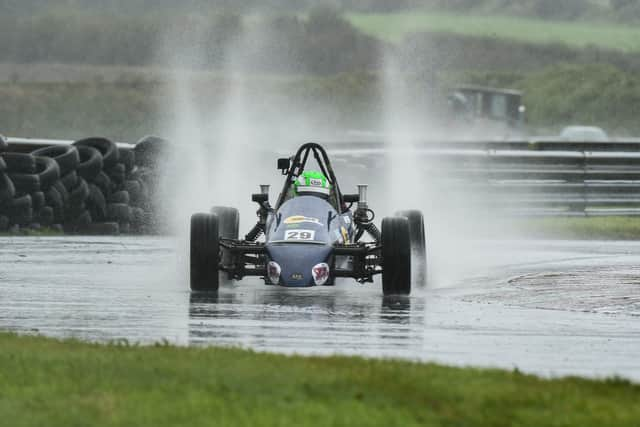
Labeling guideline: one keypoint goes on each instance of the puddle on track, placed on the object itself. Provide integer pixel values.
(554, 308)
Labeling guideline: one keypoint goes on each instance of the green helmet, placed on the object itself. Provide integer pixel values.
(312, 183)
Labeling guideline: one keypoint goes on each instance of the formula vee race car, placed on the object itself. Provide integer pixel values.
(313, 235)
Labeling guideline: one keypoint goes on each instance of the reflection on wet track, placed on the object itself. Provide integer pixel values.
(552, 308)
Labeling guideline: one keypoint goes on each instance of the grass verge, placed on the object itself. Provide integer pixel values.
(394, 26)
(69, 383)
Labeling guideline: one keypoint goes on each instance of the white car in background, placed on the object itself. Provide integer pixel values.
(584, 134)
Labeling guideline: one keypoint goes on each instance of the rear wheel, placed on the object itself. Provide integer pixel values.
(418, 245)
(228, 221)
(205, 252)
(396, 256)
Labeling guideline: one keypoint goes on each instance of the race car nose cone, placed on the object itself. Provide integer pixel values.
(297, 262)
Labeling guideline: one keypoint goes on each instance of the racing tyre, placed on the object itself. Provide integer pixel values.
(205, 252)
(396, 256)
(418, 245)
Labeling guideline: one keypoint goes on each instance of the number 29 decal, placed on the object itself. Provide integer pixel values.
(302, 235)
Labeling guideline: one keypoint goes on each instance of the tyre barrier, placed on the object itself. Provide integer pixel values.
(89, 187)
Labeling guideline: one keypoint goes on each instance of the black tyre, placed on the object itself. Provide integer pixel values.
(62, 190)
(107, 148)
(70, 181)
(119, 212)
(7, 189)
(418, 245)
(20, 211)
(90, 162)
(96, 203)
(48, 171)
(19, 162)
(46, 216)
(80, 193)
(127, 158)
(396, 256)
(117, 174)
(66, 155)
(205, 252)
(53, 198)
(228, 221)
(37, 200)
(4, 223)
(3, 165)
(119, 197)
(25, 183)
(104, 183)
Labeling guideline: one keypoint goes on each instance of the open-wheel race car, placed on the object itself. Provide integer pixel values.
(313, 235)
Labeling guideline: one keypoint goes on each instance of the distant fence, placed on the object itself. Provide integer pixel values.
(545, 177)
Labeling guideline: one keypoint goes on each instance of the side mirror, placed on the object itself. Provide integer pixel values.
(260, 198)
(284, 165)
(351, 198)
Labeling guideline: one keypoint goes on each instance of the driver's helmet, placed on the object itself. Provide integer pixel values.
(312, 183)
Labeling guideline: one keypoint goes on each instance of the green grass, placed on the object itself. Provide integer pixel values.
(54, 383)
(394, 26)
(606, 228)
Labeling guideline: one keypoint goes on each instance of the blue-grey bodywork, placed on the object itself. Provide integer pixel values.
(301, 234)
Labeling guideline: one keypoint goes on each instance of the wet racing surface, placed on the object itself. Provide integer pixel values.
(552, 308)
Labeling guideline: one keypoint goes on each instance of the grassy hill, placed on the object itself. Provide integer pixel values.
(394, 26)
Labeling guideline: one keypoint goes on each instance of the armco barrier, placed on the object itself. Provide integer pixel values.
(522, 177)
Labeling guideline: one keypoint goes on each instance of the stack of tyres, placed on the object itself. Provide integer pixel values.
(91, 186)
(20, 186)
(100, 167)
(72, 189)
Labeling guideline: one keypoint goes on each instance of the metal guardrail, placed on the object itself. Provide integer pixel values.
(522, 177)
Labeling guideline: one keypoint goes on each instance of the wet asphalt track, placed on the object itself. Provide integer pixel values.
(551, 308)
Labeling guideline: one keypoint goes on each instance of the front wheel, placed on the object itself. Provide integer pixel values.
(396, 256)
(418, 245)
(205, 252)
